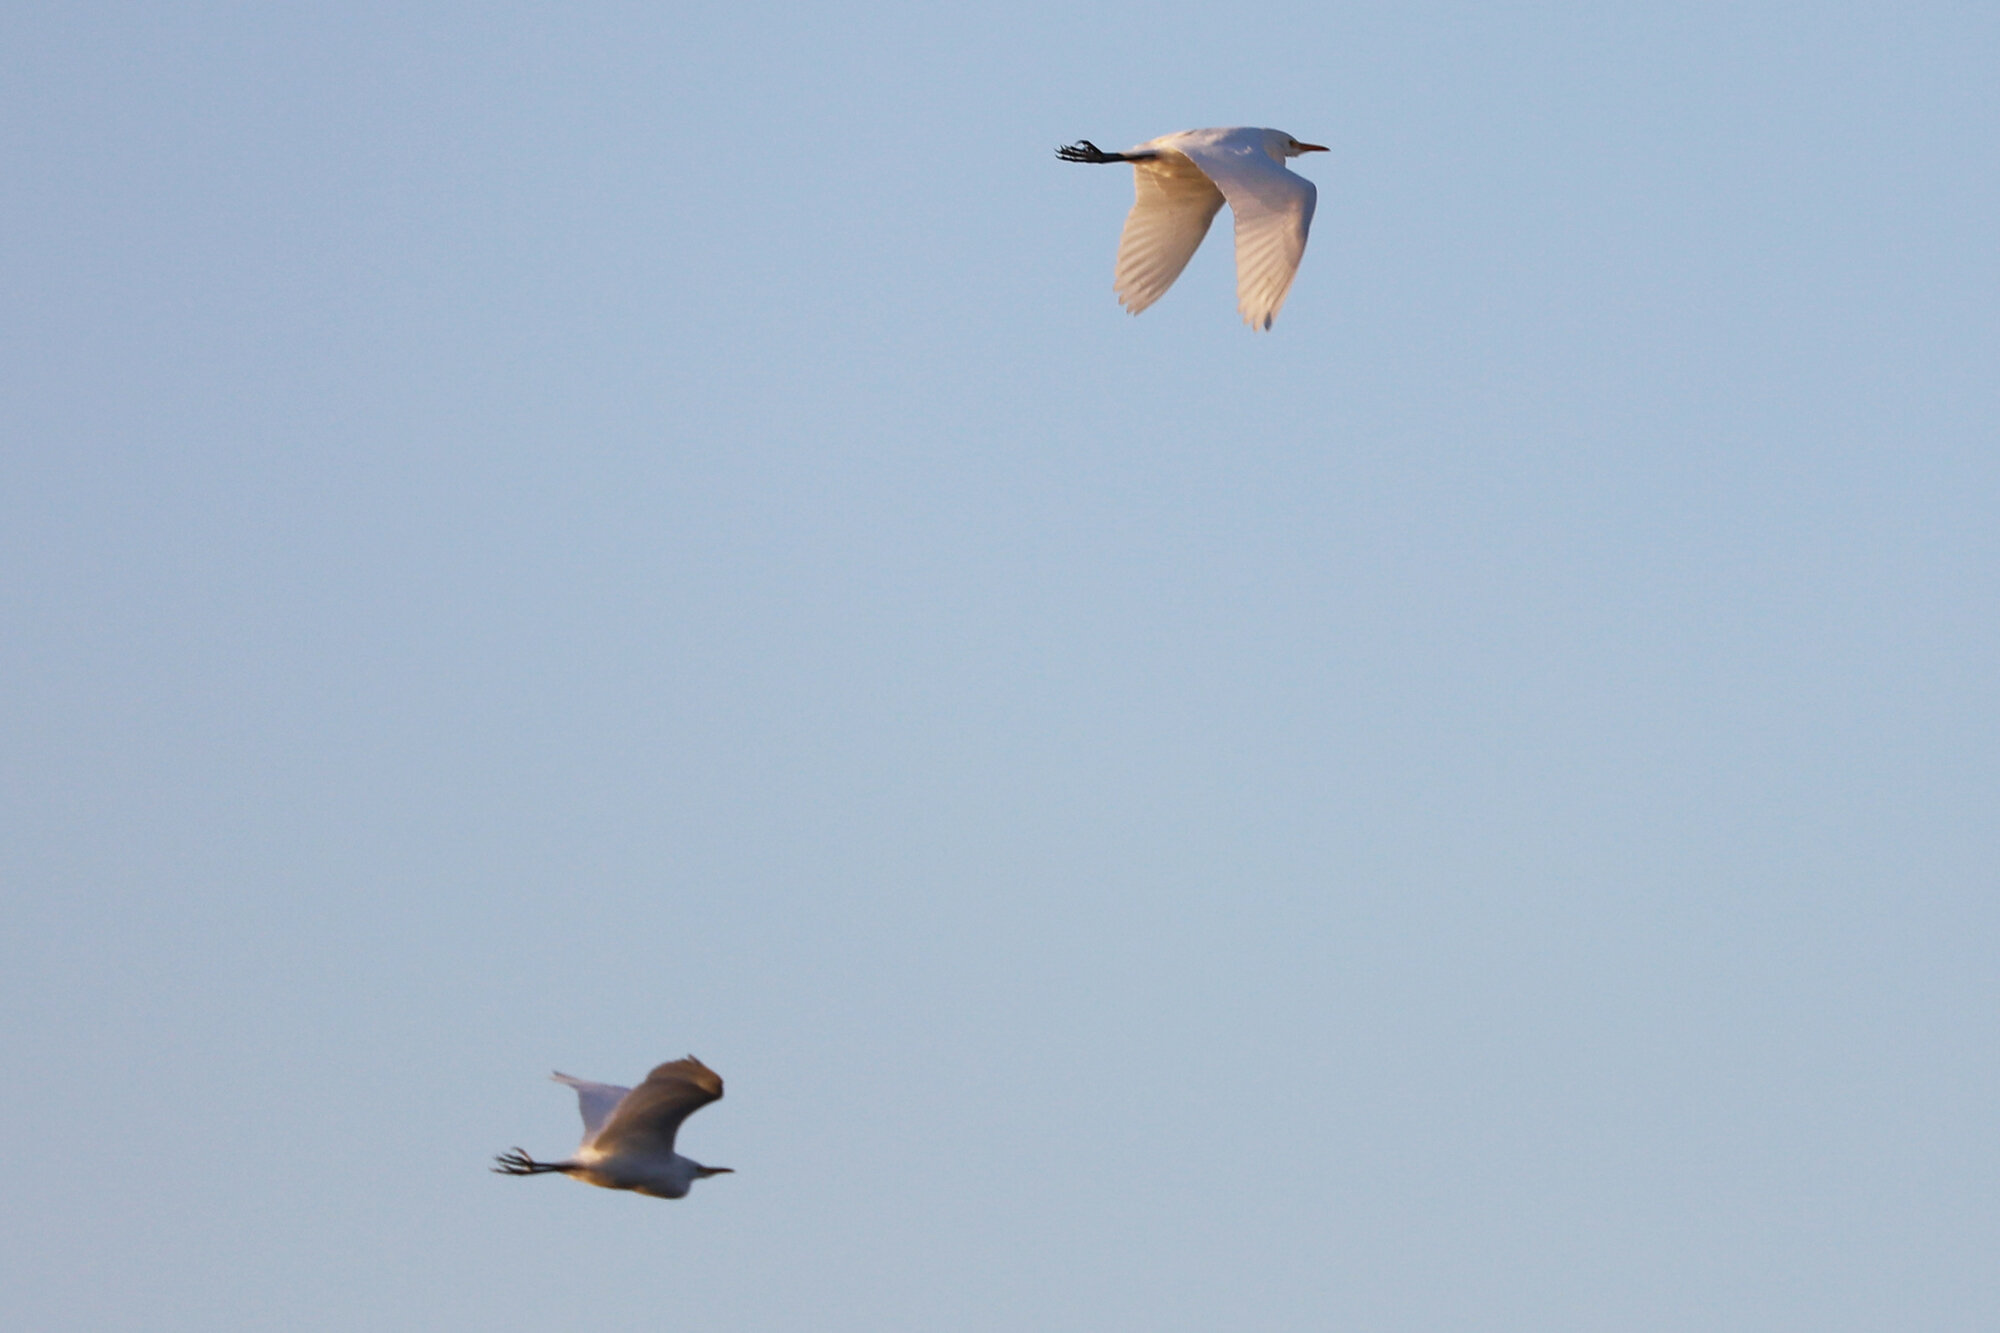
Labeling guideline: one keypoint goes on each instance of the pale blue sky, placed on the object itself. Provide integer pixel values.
(559, 536)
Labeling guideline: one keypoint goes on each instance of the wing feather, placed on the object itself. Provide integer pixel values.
(651, 1114)
(1172, 206)
(595, 1100)
(1274, 211)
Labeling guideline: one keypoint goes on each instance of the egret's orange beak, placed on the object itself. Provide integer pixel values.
(1314, 148)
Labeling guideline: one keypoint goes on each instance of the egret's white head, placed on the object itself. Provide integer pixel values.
(1282, 146)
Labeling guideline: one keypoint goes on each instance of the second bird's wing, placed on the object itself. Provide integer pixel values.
(651, 1113)
(595, 1100)
(1274, 210)
(1170, 214)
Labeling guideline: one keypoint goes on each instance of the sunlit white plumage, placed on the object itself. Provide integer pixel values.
(628, 1133)
(1181, 181)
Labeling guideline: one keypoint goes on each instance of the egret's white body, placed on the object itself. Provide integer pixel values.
(1181, 181)
(628, 1133)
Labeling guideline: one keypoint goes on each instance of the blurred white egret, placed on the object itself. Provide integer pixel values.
(628, 1133)
(1181, 180)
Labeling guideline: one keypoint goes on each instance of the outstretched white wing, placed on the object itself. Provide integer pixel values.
(595, 1100)
(646, 1121)
(1170, 214)
(1273, 208)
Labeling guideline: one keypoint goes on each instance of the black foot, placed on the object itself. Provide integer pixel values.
(518, 1163)
(1083, 150)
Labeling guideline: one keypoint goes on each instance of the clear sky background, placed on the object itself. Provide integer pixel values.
(556, 536)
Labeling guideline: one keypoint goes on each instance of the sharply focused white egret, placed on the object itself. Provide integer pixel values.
(1181, 180)
(628, 1133)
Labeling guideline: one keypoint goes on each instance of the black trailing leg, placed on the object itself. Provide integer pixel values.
(518, 1163)
(1083, 150)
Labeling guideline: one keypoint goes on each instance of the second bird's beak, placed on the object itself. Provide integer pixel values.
(718, 1171)
(1314, 148)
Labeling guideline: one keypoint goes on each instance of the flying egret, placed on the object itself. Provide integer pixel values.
(1181, 180)
(628, 1133)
